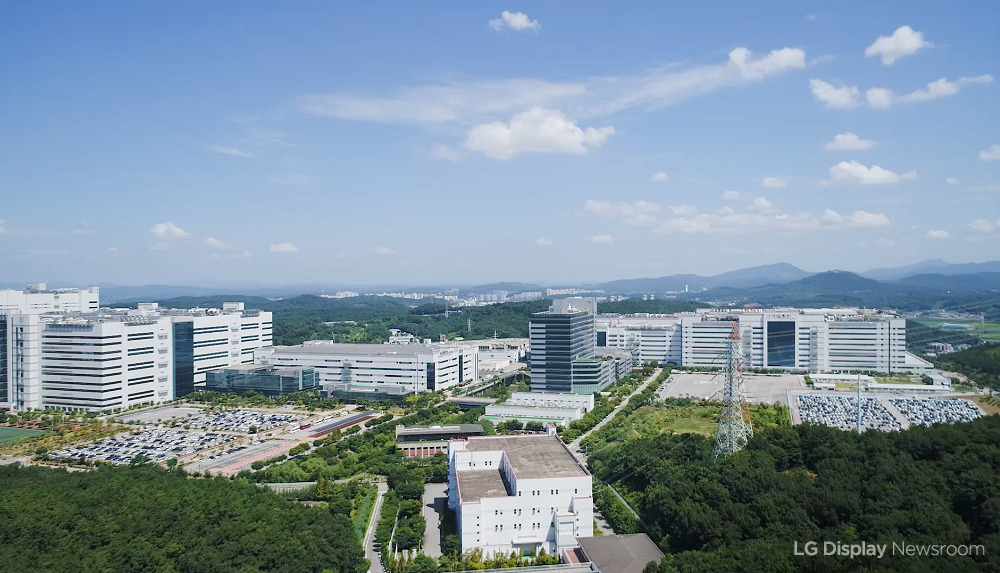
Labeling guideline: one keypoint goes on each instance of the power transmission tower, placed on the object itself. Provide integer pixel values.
(470, 326)
(734, 419)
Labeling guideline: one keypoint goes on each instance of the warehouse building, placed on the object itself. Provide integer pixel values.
(519, 493)
(426, 441)
(382, 371)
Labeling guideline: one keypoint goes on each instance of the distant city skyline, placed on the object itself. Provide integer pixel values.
(395, 145)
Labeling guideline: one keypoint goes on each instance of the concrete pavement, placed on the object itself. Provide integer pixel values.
(435, 500)
(369, 540)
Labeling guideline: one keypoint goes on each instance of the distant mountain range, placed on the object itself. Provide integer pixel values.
(932, 267)
(930, 274)
(742, 278)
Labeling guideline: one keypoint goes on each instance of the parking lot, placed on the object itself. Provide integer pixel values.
(159, 445)
(761, 388)
(927, 411)
(243, 420)
(159, 415)
(240, 458)
(841, 411)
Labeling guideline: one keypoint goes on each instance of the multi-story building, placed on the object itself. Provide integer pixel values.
(380, 371)
(265, 379)
(519, 493)
(545, 407)
(37, 299)
(812, 340)
(116, 358)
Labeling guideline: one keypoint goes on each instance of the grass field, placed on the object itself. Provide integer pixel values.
(8, 435)
(986, 331)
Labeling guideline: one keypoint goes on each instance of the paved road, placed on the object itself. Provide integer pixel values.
(435, 500)
(576, 443)
(370, 553)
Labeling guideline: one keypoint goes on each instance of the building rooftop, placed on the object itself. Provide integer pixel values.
(620, 553)
(364, 349)
(531, 457)
(474, 485)
(421, 430)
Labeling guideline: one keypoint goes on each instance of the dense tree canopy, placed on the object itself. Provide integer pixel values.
(118, 519)
(926, 485)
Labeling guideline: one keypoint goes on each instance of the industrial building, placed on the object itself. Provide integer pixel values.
(426, 441)
(545, 407)
(381, 371)
(103, 359)
(37, 299)
(519, 493)
(267, 380)
(564, 352)
(806, 340)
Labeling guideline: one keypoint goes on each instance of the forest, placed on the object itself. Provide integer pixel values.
(369, 318)
(925, 485)
(117, 519)
(981, 363)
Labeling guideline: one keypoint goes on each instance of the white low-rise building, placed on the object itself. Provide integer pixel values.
(382, 370)
(519, 493)
(546, 407)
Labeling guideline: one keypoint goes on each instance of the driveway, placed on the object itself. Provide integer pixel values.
(435, 502)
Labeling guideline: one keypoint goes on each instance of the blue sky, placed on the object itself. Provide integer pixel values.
(466, 142)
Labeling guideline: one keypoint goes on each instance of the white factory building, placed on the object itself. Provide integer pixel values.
(519, 493)
(37, 299)
(105, 359)
(546, 407)
(812, 340)
(381, 371)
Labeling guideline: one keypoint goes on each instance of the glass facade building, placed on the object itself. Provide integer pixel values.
(267, 380)
(183, 358)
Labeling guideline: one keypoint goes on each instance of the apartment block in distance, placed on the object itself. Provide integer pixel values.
(519, 493)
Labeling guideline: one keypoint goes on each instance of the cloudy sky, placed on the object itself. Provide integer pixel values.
(465, 142)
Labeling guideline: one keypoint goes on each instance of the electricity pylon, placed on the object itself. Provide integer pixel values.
(734, 419)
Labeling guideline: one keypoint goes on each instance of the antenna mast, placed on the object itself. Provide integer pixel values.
(734, 419)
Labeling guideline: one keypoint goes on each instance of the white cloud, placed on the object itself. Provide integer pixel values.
(843, 97)
(442, 151)
(991, 154)
(640, 213)
(846, 97)
(482, 100)
(230, 150)
(602, 239)
(903, 42)
(543, 242)
(985, 225)
(852, 172)
(879, 98)
(214, 243)
(284, 248)
(952, 181)
(659, 177)
(1, 226)
(537, 130)
(112, 249)
(849, 142)
(168, 230)
(775, 182)
(517, 21)
(887, 242)
(760, 216)
(937, 234)
(462, 102)
(731, 195)
(159, 247)
(857, 219)
(384, 251)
